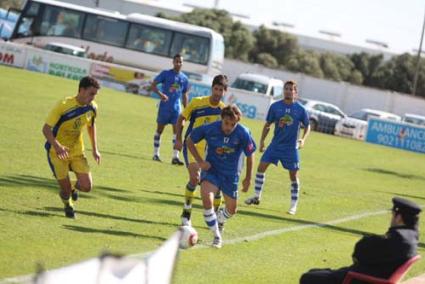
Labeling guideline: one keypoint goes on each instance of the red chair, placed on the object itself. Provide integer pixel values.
(394, 279)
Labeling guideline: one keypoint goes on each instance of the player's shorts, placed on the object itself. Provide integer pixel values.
(226, 184)
(61, 168)
(288, 158)
(167, 116)
(188, 157)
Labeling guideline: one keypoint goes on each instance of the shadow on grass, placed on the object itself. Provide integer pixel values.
(109, 216)
(31, 213)
(110, 232)
(396, 174)
(41, 182)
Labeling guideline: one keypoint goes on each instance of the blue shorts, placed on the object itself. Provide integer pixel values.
(167, 116)
(226, 184)
(288, 158)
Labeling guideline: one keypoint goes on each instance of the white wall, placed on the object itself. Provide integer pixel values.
(349, 98)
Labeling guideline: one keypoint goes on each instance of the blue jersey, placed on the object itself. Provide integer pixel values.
(224, 151)
(173, 85)
(287, 119)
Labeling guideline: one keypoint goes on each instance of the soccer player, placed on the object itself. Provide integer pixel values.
(287, 116)
(199, 111)
(227, 140)
(65, 148)
(174, 89)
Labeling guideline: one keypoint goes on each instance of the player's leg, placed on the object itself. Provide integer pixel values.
(194, 172)
(80, 167)
(176, 159)
(60, 170)
(295, 190)
(269, 157)
(230, 194)
(218, 200)
(208, 189)
(157, 139)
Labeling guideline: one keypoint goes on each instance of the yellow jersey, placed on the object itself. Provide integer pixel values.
(200, 111)
(67, 119)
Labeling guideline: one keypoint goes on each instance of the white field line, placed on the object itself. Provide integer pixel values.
(28, 278)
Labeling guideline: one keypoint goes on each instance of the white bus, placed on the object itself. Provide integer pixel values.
(135, 40)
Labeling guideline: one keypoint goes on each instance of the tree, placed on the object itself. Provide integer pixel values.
(267, 60)
(278, 44)
(307, 62)
(237, 38)
(6, 4)
(367, 65)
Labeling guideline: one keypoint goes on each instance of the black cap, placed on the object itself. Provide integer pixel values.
(405, 206)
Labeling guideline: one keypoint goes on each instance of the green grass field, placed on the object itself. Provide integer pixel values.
(136, 203)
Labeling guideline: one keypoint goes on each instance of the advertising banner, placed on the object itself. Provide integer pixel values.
(252, 105)
(124, 79)
(396, 134)
(12, 54)
(57, 64)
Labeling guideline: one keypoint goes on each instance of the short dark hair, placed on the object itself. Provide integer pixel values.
(292, 83)
(178, 55)
(220, 80)
(87, 82)
(231, 111)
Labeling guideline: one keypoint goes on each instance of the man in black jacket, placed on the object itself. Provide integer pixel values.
(378, 256)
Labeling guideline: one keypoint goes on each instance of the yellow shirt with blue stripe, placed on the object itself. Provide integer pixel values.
(200, 111)
(67, 120)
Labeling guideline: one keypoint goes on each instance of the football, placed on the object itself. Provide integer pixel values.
(188, 237)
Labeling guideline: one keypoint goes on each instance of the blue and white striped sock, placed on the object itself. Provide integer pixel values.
(223, 215)
(211, 221)
(260, 178)
(156, 143)
(295, 191)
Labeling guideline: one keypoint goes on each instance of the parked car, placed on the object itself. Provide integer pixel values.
(355, 125)
(323, 116)
(66, 49)
(414, 119)
(259, 84)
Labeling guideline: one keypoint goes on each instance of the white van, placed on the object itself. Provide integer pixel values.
(259, 84)
(414, 119)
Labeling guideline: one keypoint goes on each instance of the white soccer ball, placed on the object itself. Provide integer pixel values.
(188, 237)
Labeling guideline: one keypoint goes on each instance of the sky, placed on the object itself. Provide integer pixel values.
(395, 22)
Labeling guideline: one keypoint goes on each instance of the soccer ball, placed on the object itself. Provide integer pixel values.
(188, 237)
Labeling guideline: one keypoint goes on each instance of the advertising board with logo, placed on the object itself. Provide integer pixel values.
(57, 64)
(396, 134)
(12, 54)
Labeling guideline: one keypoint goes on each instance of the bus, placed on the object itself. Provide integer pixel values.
(134, 40)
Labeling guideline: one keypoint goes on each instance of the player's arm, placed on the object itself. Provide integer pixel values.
(179, 130)
(204, 165)
(155, 89)
(185, 98)
(264, 134)
(305, 134)
(248, 175)
(61, 151)
(93, 139)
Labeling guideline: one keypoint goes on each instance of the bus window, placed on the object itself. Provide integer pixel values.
(26, 25)
(106, 30)
(193, 48)
(61, 22)
(149, 39)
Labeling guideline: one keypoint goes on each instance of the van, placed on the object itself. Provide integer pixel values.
(66, 49)
(261, 84)
(414, 119)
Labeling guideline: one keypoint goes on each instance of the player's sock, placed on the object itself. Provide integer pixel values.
(67, 201)
(176, 154)
(74, 192)
(222, 216)
(187, 208)
(260, 178)
(217, 201)
(156, 143)
(211, 221)
(295, 190)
